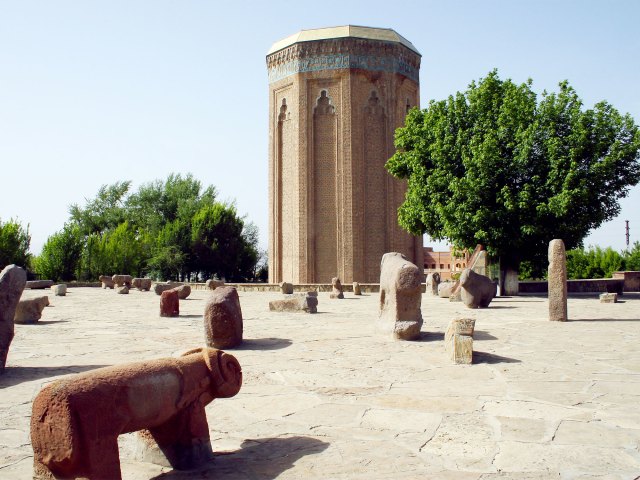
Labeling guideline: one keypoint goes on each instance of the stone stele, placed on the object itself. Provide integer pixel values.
(30, 310)
(12, 282)
(458, 340)
(476, 291)
(557, 281)
(223, 318)
(356, 289)
(76, 421)
(400, 297)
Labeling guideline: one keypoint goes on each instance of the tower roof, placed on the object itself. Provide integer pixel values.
(353, 31)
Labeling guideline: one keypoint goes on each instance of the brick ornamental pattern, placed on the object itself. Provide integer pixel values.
(334, 106)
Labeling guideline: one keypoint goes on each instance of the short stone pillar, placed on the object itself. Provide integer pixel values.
(223, 318)
(608, 298)
(30, 310)
(400, 297)
(336, 288)
(356, 289)
(286, 288)
(59, 290)
(458, 340)
(433, 280)
(476, 291)
(76, 421)
(12, 282)
(557, 278)
(169, 304)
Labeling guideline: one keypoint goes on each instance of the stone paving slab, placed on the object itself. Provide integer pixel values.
(326, 397)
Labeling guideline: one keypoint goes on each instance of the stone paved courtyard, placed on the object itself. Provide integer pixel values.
(325, 397)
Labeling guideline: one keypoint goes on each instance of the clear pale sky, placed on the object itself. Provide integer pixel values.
(94, 92)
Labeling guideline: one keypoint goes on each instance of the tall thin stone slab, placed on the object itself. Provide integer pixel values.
(557, 281)
(12, 282)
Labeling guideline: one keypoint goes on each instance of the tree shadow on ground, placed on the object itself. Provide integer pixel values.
(604, 319)
(264, 458)
(490, 358)
(492, 306)
(481, 335)
(263, 344)
(189, 316)
(17, 375)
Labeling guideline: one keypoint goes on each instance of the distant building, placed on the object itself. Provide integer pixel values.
(445, 263)
(336, 96)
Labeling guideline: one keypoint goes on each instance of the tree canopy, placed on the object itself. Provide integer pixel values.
(171, 229)
(496, 165)
(14, 244)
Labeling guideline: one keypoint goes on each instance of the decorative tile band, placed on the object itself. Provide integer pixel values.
(339, 61)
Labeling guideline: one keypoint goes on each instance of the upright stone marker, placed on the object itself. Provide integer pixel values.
(223, 319)
(12, 282)
(433, 280)
(400, 297)
(557, 281)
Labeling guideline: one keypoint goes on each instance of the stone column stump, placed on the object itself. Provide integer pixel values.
(458, 340)
(169, 304)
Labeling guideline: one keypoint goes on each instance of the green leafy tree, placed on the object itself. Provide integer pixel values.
(222, 244)
(14, 244)
(60, 255)
(632, 258)
(593, 262)
(104, 212)
(495, 166)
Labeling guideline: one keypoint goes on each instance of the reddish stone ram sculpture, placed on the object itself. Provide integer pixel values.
(76, 421)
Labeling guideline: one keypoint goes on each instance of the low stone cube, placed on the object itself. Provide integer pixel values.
(608, 298)
(458, 340)
(59, 290)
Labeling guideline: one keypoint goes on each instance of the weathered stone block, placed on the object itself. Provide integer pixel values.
(432, 282)
(38, 284)
(158, 288)
(213, 284)
(608, 298)
(169, 304)
(356, 289)
(223, 318)
(76, 421)
(458, 340)
(183, 291)
(286, 288)
(295, 303)
(122, 280)
(445, 288)
(12, 282)
(59, 290)
(400, 297)
(122, 290)
(30, 310)
(476, 291)
(142, 284)
(106, 281)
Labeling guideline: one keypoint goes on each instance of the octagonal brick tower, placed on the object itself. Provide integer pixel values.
(336, 96)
